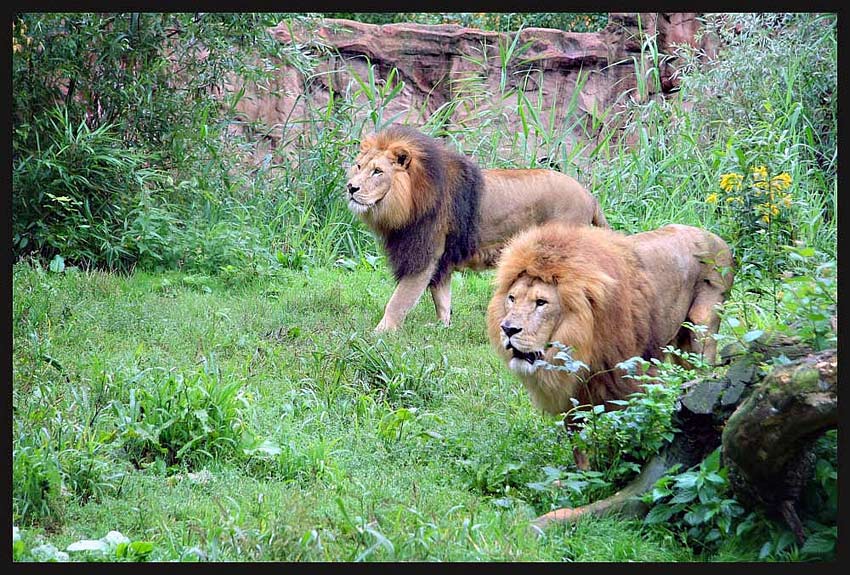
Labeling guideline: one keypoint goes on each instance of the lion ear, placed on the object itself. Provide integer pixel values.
(596, 291)
(367, 143)
(400, 154)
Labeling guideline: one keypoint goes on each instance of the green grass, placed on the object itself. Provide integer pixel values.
(412, 446)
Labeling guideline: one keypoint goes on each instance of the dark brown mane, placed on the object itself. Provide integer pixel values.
(446, 190)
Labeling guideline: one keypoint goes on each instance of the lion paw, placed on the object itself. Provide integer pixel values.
(385, 326)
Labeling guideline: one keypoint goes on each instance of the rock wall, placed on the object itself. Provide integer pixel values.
(446, 63)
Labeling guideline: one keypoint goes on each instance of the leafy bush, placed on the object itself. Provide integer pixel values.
(184, 419)
(75, 194)
(698, 501)
(810, 301)
(699, 506)
(771, 138)
(104, 105)
(640, 424)
(620, 438)
(36, 482)
(783, 68)
(154, 75)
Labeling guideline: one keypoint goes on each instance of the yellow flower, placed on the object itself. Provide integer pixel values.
(731, 181)
(760, 173)
(786, 200)
(781, 182)
(734, 199)
(766, 218)
(711, 199)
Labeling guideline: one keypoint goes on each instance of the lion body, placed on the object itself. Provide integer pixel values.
(435, 211)
(610, 297)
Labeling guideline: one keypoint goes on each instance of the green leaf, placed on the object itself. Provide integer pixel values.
(712, 462)
(696, 516)
(141, 548)
(821, 543)
(659, 492)
(659, 514)
(752, 335)
(686, 480)
(684, 496)
(57, 264)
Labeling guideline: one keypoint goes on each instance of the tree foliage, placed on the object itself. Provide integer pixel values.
(104, 104)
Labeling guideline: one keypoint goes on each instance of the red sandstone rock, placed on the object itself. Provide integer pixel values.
(440, 63)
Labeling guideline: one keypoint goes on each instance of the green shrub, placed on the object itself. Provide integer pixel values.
(699, 506)
(75, 192)
(104, 105)
(698, 502)
(779, 120)
(36, 481)
(183, 419)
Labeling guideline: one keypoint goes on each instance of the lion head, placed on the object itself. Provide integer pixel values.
(552, 286)
(393, 180)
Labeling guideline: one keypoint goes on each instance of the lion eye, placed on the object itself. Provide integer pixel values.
(511, 299)
(377, 171)
(541, 302)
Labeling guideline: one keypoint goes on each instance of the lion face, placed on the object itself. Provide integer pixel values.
(379, 184)
(532, 312)
(370, 180)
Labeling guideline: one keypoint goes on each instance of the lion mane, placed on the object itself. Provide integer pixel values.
(618, 297)
(435, 211)
(439, 194)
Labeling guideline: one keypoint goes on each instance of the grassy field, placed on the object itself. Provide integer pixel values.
(413, 446)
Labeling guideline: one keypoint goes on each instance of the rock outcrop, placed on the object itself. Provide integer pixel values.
(464, 74)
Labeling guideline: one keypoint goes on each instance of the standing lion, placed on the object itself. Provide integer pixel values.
(435, 211)
(610, 297)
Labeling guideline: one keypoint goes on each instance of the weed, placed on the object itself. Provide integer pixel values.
(182, 418)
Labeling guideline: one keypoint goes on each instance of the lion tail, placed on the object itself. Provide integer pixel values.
(598, 217)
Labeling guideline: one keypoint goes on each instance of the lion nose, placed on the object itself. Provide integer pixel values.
(352, 189)
(510, 330)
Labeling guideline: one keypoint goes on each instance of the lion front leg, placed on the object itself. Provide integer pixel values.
(407, 293)
(703, 312)
(442, 295)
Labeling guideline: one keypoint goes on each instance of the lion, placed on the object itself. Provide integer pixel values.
(610, 297)
(435, 211)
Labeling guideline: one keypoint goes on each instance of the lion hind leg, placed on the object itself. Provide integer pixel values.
(442, 295)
